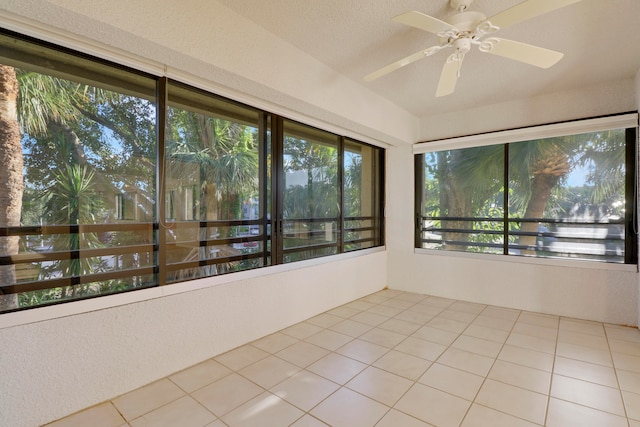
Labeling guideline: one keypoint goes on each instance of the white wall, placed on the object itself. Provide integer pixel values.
(52, 368)
(594, 101)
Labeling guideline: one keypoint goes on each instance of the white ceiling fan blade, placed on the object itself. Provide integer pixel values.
(424, 22)
(401, 63)
(526, 10)
(533, 55)
(448, 77)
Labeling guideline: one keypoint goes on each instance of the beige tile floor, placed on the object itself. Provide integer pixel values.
(398, 359)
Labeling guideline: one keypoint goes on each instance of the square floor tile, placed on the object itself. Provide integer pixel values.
(512, 400)
(584, 326)
(454, 381)
(383, 337)
(465, 361)
(263, 411)
(486, 333)
(535, 331)
(532, 343)
(184, 412)
(588, 394)
(526, 357)
(241, 357)
(481, 416)
(324, 320)
(585, 354)
(567, 414)
(305, 389)
(632, 404)
(477, 346)
(226, 394)
(468, 307)
(626, 362)
(346, 408)
(433, 406)
(308, 421)
(380, 385)
(521, 376)
(269, 371)
(416, 317)
(509, 314)
(420, 348)
(624, 333)
(275, 342)
(494, 323)
(371, 319)
(459, 316)
(625, 347)
(200, 375)
(454, 326)
(629, 381)
(403, 364)
(399, 326)
(597, 342)
(103, 415)
(337, 368)
(302, 354)
(329, 339)
(363, 351)
(360, 305)
(302, 330)
(398, 419)
(147, 398)
(546, 320)
(603, 375)
(439, 336)
(344, 312)
(351, 328)
(387, 311)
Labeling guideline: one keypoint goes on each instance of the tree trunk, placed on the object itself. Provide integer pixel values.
(11, 178)
(541, 188)
(546, 175)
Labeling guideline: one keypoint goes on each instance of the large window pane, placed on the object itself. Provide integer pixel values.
(87, 145)
(311, 206)
(214, 222)
(361, 196)
(463, 200)
(568, 197)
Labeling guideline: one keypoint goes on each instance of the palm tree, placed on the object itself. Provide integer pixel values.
(72, 200)
(11, 180)
(221, 157)
(471, 178)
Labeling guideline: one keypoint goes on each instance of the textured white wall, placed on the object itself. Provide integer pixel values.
(52, 368)
(607, 294)
(599, 100)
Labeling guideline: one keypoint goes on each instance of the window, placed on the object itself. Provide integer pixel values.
(214, 170)
(362, 195)
(565, 196)
(117, 180)
(310, 192)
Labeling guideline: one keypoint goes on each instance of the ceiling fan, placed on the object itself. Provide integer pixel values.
(466, 28)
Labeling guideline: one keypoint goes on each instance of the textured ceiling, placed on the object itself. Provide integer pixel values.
(600, 40)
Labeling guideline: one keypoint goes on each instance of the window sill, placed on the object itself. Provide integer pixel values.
(565, 263)
(71, 308)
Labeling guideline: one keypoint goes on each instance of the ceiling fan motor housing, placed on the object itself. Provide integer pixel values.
(467, 21)
(460, 5)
